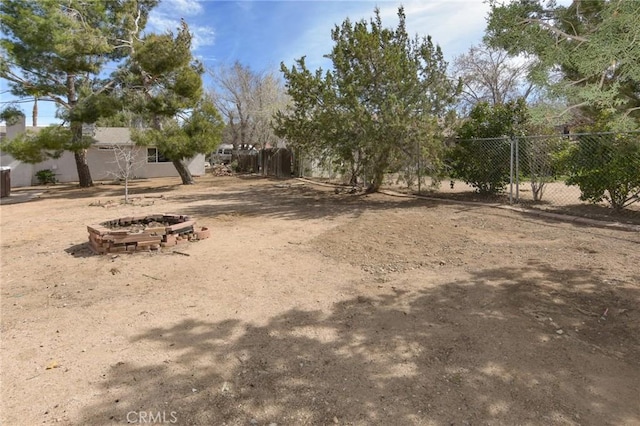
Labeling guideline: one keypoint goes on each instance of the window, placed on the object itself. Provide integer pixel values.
(154, 156)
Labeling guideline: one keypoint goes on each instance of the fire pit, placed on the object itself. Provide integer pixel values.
(144, 233)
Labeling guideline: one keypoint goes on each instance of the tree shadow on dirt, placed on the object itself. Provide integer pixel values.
(630, 214)
(287, 200)
(481, 351)
(602, 211)
(101, 189)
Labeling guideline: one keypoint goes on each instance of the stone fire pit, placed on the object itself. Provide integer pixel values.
(144, 233)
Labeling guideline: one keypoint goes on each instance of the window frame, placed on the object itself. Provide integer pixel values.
(156, 157)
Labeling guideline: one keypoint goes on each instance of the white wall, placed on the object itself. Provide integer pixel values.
(102, 163)
(21, 173)
(64, 168)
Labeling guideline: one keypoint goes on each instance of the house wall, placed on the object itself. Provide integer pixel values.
(64, 168)
(21, 173)
(102, 162)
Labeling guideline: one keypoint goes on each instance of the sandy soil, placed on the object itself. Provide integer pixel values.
(310, 307)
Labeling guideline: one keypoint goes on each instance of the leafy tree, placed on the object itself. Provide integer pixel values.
(179, 140)
(481, 155)
(11, 115)
(587, 53)
(162, 83)
(33, 148)
(56, 51)
(606, 167)
(383, 97)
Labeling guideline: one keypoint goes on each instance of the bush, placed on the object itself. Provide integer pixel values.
(46, 177)
(482, 163)
(606, 167)
(481, 157)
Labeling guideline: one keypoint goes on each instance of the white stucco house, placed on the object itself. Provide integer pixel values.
(101, 156)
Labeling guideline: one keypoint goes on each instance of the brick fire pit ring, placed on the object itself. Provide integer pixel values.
(144, 233)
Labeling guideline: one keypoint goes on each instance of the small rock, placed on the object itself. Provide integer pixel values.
(335, 420)
(253, 421)
(559, 332)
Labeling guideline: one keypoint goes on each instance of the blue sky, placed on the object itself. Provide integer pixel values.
(261, 34)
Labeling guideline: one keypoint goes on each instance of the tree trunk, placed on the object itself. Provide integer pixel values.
(379, 169)
(80, 153)
(34, 113)
(84, 174)
(376, 181)
(184, 172)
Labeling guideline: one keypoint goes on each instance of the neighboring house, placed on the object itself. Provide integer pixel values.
(101, 156)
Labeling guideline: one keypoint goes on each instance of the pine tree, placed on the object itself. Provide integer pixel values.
(58, 51)
(163, 83)
(382, 99)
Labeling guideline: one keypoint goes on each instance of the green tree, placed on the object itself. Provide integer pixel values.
(481, 155)
(606, 167)
(383, 97)
(587, 53)
(179, 140)
(56, 51)
(163, 84)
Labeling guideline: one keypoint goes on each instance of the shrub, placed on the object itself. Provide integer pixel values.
(481, 157)
(482, 163)
(46, 177)
(606, 167)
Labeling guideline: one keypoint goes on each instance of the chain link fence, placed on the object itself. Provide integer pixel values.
(588, 174)
(596, 171)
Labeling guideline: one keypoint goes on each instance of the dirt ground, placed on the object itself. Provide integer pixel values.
(310, 307)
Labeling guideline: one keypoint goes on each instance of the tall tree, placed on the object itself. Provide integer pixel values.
(383, 97)
(163, 83)
(491, 75)
(587, 53)
(57, 50)
(247, 99)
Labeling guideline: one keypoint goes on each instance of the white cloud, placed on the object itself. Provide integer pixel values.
(182, 7)
(161, 21)
(202, 36)
(455, 25)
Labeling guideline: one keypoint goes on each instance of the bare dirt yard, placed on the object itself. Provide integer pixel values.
(307, 307)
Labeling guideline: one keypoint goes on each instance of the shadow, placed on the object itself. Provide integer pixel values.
(587, 228)
(289, 199)
(591, 211)
(481, 351)
(631, 214)
(81, 250)
(107, 189)
(472, 196)
(20, 195)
